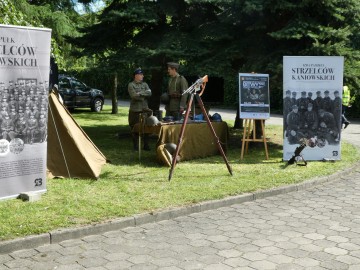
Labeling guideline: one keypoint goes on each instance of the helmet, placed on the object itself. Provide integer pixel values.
(171, 147)
(216, 117)
(164, 98)
(151, 121)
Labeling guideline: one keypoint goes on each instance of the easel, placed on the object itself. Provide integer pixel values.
(192, 90)
(248, 137)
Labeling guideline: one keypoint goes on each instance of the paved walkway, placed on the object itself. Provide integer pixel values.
(315, 228)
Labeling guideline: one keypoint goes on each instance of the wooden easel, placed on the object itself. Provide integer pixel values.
(248, 124)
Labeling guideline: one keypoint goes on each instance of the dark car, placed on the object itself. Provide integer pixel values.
(77, 94)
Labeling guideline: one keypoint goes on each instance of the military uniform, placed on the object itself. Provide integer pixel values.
(327, 102)
(336, 109)
(327, 127)
(176, 87)
(138, 91)
(303, 103)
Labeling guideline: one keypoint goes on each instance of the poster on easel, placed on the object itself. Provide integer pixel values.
(24, 79)
(254, 98)
(312, 97)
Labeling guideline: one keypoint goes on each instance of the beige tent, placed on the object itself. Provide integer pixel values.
(70, 152)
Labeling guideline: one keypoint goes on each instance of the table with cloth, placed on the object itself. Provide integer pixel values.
(198, 140)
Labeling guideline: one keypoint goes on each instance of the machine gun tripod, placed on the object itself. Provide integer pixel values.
(193, 90)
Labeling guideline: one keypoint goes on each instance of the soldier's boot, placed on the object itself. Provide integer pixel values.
(135, 138)
(146, 142)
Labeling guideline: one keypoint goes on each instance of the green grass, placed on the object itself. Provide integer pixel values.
(126, 187)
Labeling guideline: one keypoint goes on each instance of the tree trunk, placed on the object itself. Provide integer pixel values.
(238, 124)
(114, 101)
(156, 83)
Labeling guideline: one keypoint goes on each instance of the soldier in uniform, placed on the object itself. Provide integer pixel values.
(177, 85)
(7, 127)
(318, 101)
(327, 102)
(294, 101)
(42, 127)
(310, 121)
(336, 109)
(327, 127)
(309, 98)
(302, 103)
(31, 128)
(293, 125)
(138, 91)
(287, 106)
(20, 127)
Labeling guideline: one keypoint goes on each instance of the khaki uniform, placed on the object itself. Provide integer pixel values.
(138, 103)
(177, 85)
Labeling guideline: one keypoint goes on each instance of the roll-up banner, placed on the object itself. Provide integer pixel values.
(312, 93)
(24, 80)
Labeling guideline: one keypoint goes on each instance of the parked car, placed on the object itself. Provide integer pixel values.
(77, 94)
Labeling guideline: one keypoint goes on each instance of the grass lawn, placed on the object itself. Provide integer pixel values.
(126, 187)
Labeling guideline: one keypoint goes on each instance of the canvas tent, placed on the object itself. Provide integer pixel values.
(70, 152)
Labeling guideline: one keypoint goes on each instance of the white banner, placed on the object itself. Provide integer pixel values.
(254, 99)
(312, 105)
(24, 79)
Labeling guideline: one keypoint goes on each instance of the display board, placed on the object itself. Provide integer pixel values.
(312, 96)
(24, 76)
(254, 96)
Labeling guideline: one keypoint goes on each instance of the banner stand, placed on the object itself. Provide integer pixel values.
(249, 136)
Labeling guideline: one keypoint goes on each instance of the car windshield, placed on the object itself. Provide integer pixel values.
(78, 85)
(64, 83)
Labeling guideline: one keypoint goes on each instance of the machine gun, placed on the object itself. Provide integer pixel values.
(297, 155)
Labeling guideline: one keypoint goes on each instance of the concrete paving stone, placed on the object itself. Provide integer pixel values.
(94, 253)
(219, 266)
(286, 245)
(5, 258)
(296, 253)
(117, 256)
(71, 243)
(195, 236)
(306, 262)
(237, 262)
(271, 250)
(70, 267)
(281, 259)
(68, 259)
(291, 234)
(46, 256)
(334, 265)
(324, 243)
(93, 238)
(350, 260)
(255, 256)
(92, 262)
(240, 240)
(311, 247)
(277, 238)
(147, 266)
(198, 243)
(210, 259)
(301, 240)
(229, 253)
(321, 256)
(355, 253)
(69, 250)
(223, 245)
(19, 263)
(314, 236)
(246, 248)
(263, 243)
(192, 265)
(354, 267)
(165, 262)
(263, 265)
(218, 238)
(44, 265)
(338, 239)
(349, 246)
(24, 253)
(163, 253)
(286, 266)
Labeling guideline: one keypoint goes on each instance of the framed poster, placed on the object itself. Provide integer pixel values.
(312, 98)
(254, 96)
(24, 76)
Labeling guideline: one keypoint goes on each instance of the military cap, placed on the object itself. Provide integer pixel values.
(173, 65)
(309, 94)
(318, 92)
(288, 92)
(303, 93)
(336, 92)
(293, 93)
(138, 71)
(326, 92)
(294, 107)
